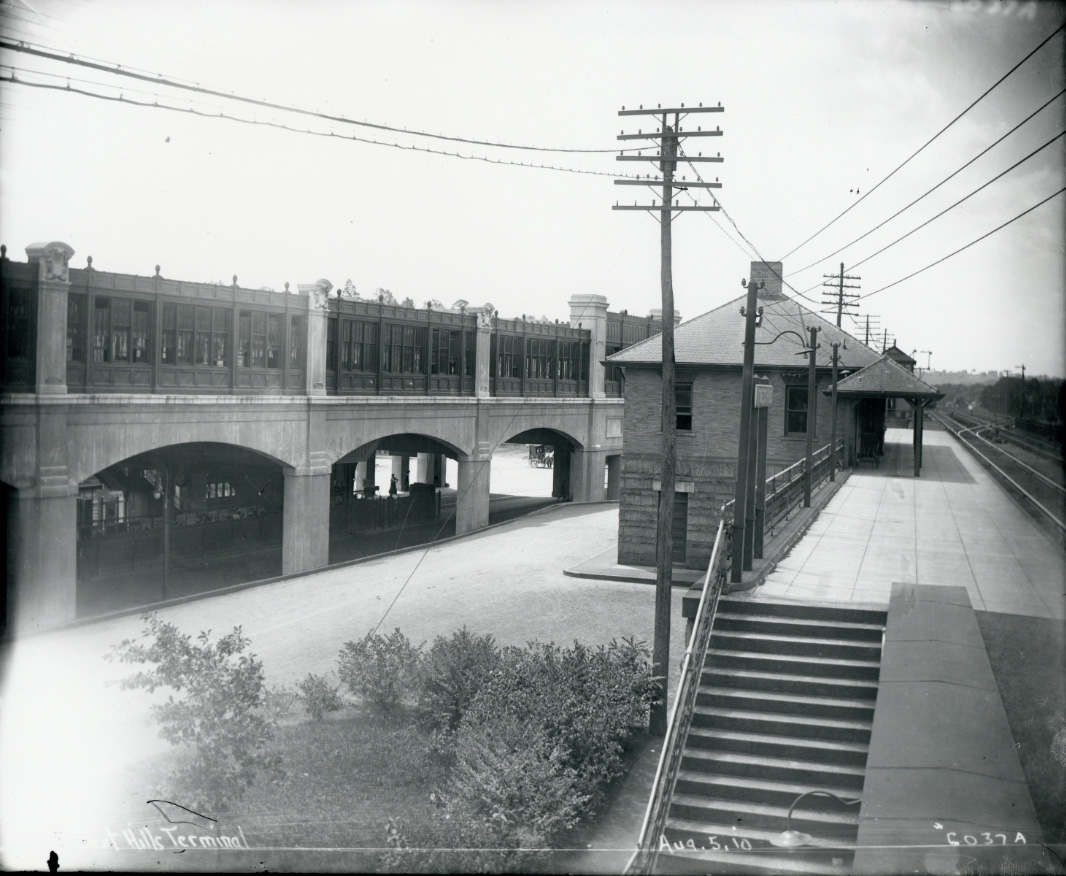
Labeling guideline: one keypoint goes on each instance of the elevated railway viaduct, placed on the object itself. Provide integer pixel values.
(137, 410)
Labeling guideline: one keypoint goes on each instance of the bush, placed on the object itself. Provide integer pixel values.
(450, 675)
(278, 702)
(220, 718)
(318, 696)
(587, 701)
(510, 774)
(381, 669)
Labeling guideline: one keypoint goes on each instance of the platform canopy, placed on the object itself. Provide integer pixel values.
(886, 379)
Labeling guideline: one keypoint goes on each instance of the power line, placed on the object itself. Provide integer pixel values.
(754, 248)
(121, 99)
(966, 198)
(930, 140)
(971, 243)
(934, 188)
(160, 79)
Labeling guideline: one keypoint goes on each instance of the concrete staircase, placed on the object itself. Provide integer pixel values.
(785, 706)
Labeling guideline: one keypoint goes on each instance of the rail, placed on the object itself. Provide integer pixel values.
(959, 434)
(644, 858)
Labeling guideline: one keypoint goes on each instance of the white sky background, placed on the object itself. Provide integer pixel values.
(820, 98)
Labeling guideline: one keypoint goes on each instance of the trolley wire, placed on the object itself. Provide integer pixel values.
(928, 142)
(961, 200)
(967, 246)
(934, 188)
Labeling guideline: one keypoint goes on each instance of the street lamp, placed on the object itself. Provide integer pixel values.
(791, 839)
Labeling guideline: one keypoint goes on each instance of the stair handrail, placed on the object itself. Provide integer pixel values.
(644, 858)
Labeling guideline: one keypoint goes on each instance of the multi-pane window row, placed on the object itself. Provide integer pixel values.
(359, 346)
(540, 358)
(404, 348)
(219, 491)
(120, 332)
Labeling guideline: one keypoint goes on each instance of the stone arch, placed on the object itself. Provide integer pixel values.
(93, 456)
(543, 435)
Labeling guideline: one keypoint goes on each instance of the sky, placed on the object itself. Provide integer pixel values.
(821, 101)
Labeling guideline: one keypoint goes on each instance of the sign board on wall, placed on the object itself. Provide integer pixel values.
(764, 395)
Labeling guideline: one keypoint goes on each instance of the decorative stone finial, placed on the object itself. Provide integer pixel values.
(89, 263)
(54, 259)
(286, 285)
(3, 252)
(234, 279)
(157, 272)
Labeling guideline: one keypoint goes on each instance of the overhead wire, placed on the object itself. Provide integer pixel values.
(955, 173)
(171, 82)
(121, 99)
(928, 142)
(967, 246)
(961, 200)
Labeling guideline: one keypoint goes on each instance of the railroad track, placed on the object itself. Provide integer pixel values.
(1037, 478)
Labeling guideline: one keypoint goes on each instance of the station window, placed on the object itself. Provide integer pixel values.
(75, 328)
(795, 410)
(296, 341)
(403, 349)
(219, 491)
(508, 361)
(445, 352)
(191, 335)
(359, 346)
(120, 330)
(273, 341)
(683, 404)
(471, 354)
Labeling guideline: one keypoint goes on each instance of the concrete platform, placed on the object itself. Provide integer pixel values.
(605, 566)
(944, 786)
(954, 525)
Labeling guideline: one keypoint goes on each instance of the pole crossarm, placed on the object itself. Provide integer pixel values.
(666, 208)
(659, 135)
(681, 110)
(659, 182)
(672, 160)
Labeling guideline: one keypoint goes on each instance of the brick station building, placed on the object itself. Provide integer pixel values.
(709, 355)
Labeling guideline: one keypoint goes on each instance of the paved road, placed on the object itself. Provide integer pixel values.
(64, 730)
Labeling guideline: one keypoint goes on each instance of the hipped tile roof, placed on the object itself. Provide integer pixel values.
(888, 379)
(717, 338)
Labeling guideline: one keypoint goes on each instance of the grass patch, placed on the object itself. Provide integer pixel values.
(1027, 657)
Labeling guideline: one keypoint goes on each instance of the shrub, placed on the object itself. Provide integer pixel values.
(381, 669)
(278, 702)
(219, 719)
(451, 673)
(318, 696)
(587, 701)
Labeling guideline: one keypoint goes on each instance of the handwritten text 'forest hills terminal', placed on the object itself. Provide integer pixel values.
(145, 839)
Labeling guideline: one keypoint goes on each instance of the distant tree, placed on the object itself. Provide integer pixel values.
(348, 291)
(385, 296)
(435, 304)
(409, 302)
(460, 304)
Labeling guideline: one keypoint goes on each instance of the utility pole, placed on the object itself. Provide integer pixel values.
(668, 137)
(838, 281)
(833, 426)
(812, 418)
(871, 323)
(747, 400)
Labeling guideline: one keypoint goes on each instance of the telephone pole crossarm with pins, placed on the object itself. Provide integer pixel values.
(664, 153)
(841, 295)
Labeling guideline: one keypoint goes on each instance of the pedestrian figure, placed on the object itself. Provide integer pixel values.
(392, 488)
